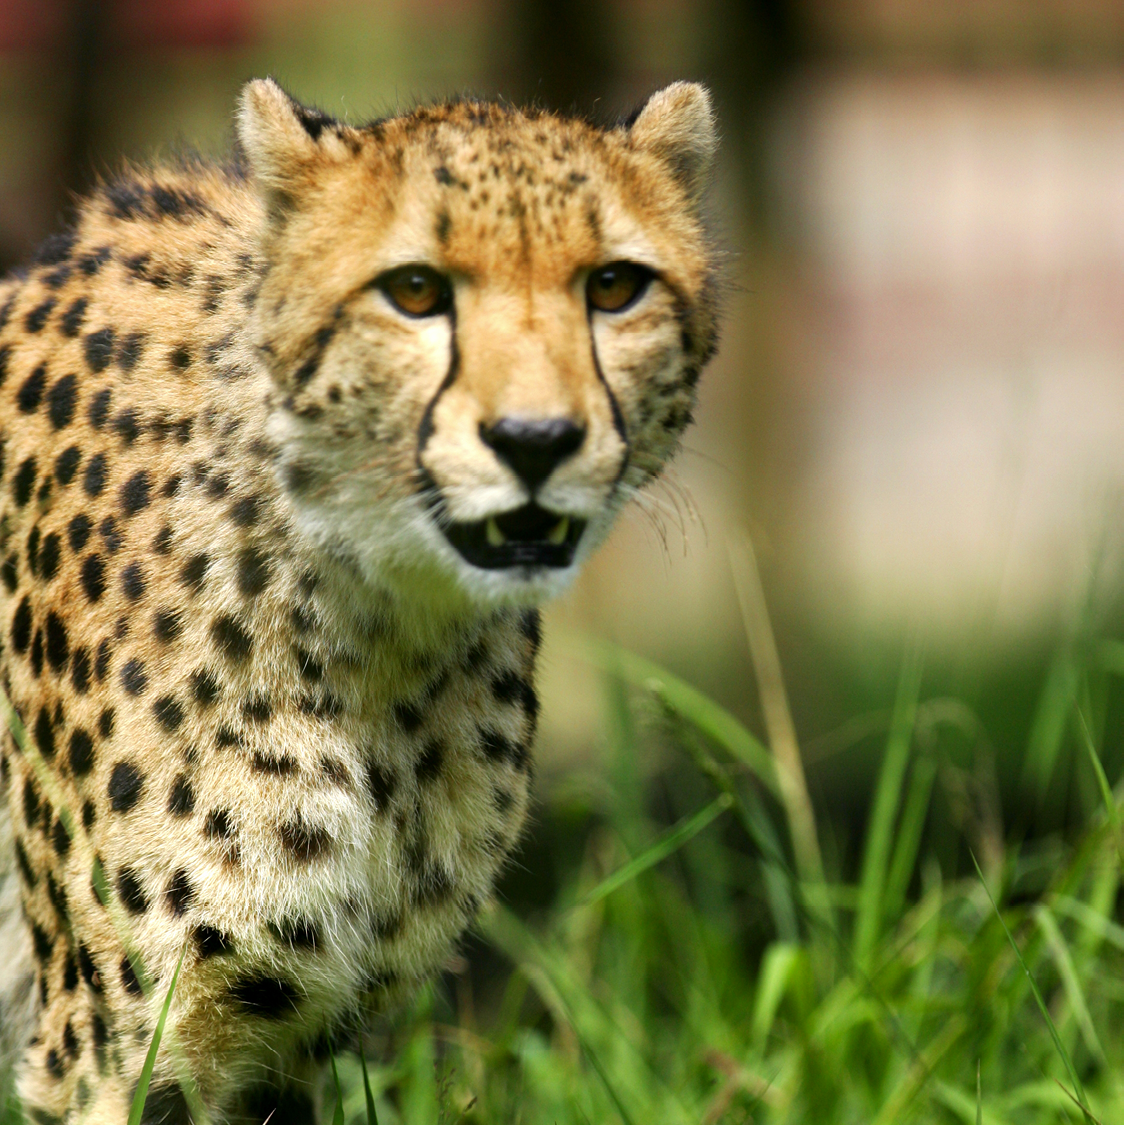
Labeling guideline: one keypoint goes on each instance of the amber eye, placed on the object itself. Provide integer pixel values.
(416, 290)
(614, 287)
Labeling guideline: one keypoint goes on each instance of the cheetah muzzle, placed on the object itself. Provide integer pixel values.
(291, 450)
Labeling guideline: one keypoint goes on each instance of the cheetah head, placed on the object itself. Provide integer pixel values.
(484, 327)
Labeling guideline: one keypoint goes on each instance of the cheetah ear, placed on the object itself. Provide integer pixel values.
(281, 139)
(678, 125)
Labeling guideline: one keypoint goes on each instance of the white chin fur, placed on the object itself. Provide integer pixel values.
(406, 551)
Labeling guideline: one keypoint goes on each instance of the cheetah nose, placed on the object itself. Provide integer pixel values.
(531, 447)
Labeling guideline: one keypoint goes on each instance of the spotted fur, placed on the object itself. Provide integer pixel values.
(288, 721)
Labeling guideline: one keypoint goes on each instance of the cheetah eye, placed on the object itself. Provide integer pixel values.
(416, 290)
(615, 287)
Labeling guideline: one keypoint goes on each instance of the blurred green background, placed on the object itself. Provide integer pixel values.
(916, 410)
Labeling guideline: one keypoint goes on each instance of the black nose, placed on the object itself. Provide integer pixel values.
(532, 448)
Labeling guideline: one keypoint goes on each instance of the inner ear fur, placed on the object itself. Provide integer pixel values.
(678, 125)
(283, 140)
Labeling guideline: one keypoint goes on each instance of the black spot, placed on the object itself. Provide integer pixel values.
(218, 825)
(204, 687)
(162, 544)
(297, 933)
(57, 895)
(299, 476)
(33, 550)
(98, 410)
(181, 801)
(93, 577)
(93, 480)
(382, 783)
(429, 764)
(231, 638)
(89, 815)
(180, 357)
(45, 733)
(56, 1068)
(58, 643)
(10, 572)
(211, 942)
(31, 805)
(99, 349)
(310, 669)
(126, 426)
(54, 249)
(73, 317)
(101, 665)
(227, 736)
(496, 747)
(133, 581)
(244, 512)
(169, 712)
(257, 708)
(125, 785)
(49, 557)
(80, 671)
(193, 572)
(21, 626)
(36, 657)
(267, 997)
(134, 679)
(66, 464)
(301, 618)
(81, 752)
(253, 571)
(306, 841)
(38, 315)
(131, 892)
(135, 493)
(407, 716)
(507, 687)
(30, 394)
(93, 979)
(24, 865)
(129, 979)
(90, 263)
(502, 799)
(444, 225)
(24, 482)
(61, 400)
(165, 1104)
(280, 766)
(179, 893)
(531, 625)
(70, 972)
(78, 532)
(130, 351)
(60, 839)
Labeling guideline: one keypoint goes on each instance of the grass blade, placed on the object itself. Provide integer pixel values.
(980, 1104)
(338, 1113)
(880, 830)
(716, 722)
(1095, 761)
(1073, 1074)
(1069, 977)
(675, 838)
(372, 1116)
(141, 1092)
(775, 709)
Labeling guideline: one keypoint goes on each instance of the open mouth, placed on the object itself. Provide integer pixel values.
(528, 536)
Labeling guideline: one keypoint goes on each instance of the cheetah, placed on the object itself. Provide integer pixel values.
(293, 447)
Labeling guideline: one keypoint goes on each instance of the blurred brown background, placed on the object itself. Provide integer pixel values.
(917, 408)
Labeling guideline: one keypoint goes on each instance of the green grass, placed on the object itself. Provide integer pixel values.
(677, 968)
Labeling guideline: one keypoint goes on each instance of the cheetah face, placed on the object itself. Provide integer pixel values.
(484, 326)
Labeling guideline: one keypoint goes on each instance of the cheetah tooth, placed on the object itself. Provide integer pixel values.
(557, 534)
(494, 535)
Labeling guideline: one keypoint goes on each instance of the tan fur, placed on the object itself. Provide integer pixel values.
(288, 718)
